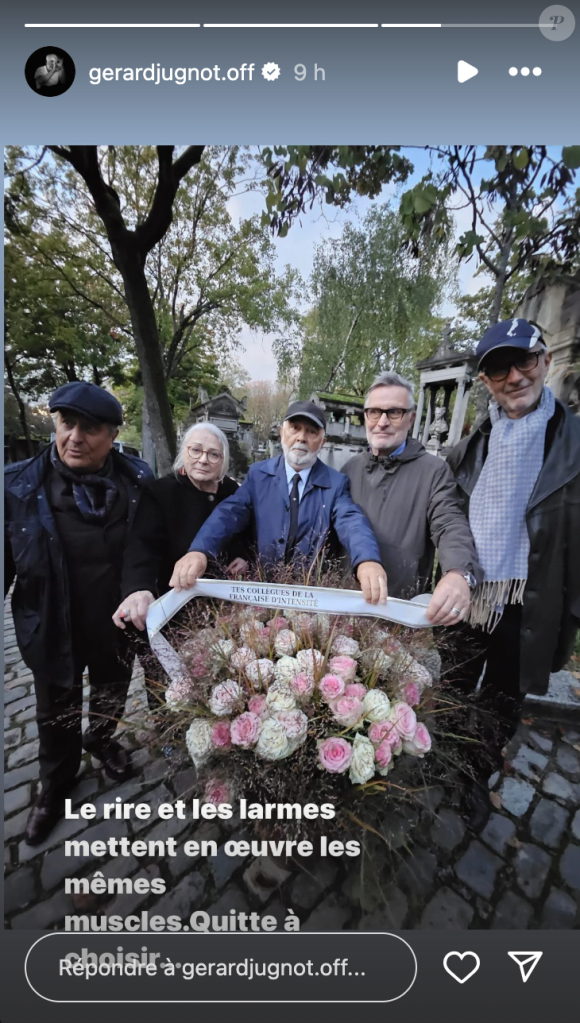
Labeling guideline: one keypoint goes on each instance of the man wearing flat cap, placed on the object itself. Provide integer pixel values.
(67, 512)
(297, 506)
(519, 473)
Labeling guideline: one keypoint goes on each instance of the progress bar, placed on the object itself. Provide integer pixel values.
(111, 24)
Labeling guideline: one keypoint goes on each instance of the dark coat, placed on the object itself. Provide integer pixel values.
(326, 512)
(414, 506)
(34, 554)
(171, 513)
(551, 608)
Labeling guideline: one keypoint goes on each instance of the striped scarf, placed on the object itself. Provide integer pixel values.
(497, 510)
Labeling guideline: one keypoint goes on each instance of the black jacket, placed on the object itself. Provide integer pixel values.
(414, 507)
(171, 513)
(551, 608)
(34, 554)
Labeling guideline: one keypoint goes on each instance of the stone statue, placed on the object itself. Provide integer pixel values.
(439, 428)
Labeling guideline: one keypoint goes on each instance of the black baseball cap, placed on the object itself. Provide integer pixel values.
(306, 410)
(516, 333)
(87, 400)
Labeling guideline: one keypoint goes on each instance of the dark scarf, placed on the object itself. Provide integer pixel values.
(94, 493)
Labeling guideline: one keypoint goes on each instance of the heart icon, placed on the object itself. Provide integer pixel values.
(461, 955)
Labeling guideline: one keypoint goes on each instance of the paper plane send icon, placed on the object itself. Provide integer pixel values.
(465, 71)
(527, 962)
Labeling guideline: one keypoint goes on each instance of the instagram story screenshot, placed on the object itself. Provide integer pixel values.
(291, 631)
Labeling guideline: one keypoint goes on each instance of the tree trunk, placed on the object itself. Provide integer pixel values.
(155, 399)
(147, 445)
(21, 409)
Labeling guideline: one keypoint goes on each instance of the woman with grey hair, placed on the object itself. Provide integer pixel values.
(170, 514)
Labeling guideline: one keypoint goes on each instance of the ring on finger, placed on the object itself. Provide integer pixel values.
(455, 611)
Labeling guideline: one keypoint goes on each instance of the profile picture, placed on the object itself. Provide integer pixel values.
(50, 71)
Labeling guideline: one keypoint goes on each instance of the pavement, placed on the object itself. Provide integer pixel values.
(522, 871)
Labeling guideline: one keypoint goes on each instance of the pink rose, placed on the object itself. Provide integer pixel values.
(384, 753)
(257, 704)
(404, 719)
(344, 646)
(301, 685)
(198, 666)
(216, 792)
(331, 687)
(275, 624)
(347, 710)
(410, 694)
(335, 755)
(381, 730)
(220, 735)
(245, 729)
(420, 744)
(356, 689)
(343, 666)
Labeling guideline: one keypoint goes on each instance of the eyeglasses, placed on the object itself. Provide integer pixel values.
(196, 451)
(394, 415)
(525, 363)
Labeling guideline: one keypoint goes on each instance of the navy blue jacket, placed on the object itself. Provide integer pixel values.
(326, 512)
(33, 553)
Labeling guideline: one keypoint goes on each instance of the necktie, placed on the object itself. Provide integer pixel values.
(292, 532)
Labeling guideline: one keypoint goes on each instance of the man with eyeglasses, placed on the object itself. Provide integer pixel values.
(413, 504)
(298, 508)
(519, 473)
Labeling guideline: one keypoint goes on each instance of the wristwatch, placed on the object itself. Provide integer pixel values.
(470, 580)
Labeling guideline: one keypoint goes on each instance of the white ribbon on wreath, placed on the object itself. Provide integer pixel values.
(313, 599)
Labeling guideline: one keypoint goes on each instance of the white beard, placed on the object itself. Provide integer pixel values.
(299, 458)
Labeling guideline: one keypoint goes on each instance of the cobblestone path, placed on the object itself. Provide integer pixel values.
(521, 871)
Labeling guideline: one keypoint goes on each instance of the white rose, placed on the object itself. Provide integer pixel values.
(376, 705)
(223, 649)
(260, 672)
(273, 743)
(248, 629)
(242, 656)
(344, 646)
(286, 668)
(198, 740)
(375, 659)
(179, 694)
(362, 765)
(415, 672)
(310, 662)
(224, 697)
(280, 697)
(295, 724)
(285, 643)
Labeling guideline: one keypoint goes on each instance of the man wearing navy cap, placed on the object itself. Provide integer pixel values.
(519, 472)
(67, 513)
(297, 505)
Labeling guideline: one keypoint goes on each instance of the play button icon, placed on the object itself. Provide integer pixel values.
(465, 71)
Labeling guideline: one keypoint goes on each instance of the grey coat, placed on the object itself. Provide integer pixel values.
(414, 507)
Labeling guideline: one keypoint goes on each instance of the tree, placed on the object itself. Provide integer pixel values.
(525, 214)
(166, 262)
(267, 403)
(373, 307)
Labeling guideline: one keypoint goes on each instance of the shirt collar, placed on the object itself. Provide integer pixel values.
(303, 473)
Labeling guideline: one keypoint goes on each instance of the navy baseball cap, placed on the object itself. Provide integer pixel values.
(306, 410)
(87, 400)
(508, 334)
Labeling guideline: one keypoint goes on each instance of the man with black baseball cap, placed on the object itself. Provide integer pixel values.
(519, 472)
(297, 506)
(67, 514)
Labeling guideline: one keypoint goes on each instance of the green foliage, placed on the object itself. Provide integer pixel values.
(207, 278)
(373, 307)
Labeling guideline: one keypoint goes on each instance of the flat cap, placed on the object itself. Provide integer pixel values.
(306, 410)
(87, 400)
(515, 333)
